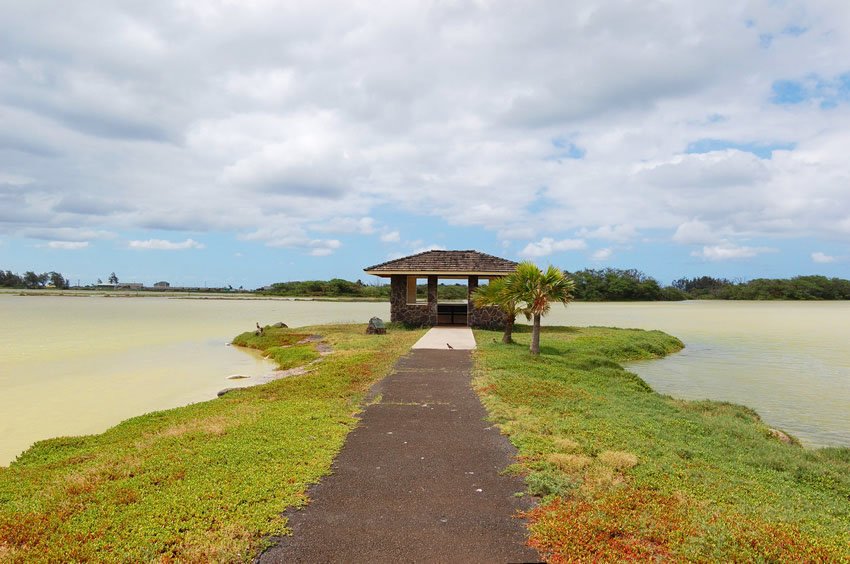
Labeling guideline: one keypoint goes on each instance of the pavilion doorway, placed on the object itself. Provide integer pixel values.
(452, 301)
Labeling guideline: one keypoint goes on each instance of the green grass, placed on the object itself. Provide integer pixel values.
(290, 357)
(205, 482)
(626, 473)
(286, 347)
(271, 337)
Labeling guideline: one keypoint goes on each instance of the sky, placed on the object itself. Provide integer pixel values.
(247, 142)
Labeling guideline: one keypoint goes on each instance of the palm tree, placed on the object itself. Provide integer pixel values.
(496, 294)
(535, 290)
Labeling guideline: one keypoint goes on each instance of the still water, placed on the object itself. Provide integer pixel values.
(790, 361)
(76, 365)
(79, 365)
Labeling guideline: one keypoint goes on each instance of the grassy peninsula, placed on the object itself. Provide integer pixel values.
(622, 472)
(626, 473)
(206, 482)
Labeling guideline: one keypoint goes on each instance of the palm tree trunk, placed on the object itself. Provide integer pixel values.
(535, 335)
(508, 338)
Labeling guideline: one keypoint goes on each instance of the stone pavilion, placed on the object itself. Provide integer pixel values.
(432, 266)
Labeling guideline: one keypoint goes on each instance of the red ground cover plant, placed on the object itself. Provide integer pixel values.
(640, 524)
(627, 524)
(776, 542)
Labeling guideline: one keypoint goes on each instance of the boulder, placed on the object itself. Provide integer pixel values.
(376, 327)
(281, 325)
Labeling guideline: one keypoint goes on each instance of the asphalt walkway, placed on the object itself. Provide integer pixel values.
(418, 480)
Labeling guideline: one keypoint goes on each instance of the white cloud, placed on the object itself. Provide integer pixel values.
(423, 248)
(363, 225)
(65, 234)
(516, 232)
(163, 245)
(320, 120)
(695, 232)
(618, 233)
(546, 246)
(729, 252)
(602, 254)
(707, 171)
(822, 258)
(68, 245)
(323, 247)
(292, 236)
(391, 237)
(14, 179)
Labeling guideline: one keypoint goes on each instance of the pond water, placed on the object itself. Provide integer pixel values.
(77, 365)
(790, 361)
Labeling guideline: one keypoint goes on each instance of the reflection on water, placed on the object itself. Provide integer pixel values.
(787, 360)
(77, 365)
(80, 365)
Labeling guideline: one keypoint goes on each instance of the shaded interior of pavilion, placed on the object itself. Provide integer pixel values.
(453, 297)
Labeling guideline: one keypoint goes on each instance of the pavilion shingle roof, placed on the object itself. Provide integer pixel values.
(445, 262)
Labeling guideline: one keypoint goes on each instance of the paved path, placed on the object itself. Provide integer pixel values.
(417, 481)
(447, 337)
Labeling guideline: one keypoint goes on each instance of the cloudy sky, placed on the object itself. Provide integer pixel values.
(246, 142)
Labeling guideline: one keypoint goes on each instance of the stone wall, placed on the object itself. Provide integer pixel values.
(415, 315)
(425, 315)
(489, 317)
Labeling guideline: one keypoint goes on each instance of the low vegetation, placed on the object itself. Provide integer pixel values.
(618, 285)
(32, 280)
(625, 473)
(607, 285)
(339, 288)
(797, 288)
(334, 288)
(205, 482)
(591, 285)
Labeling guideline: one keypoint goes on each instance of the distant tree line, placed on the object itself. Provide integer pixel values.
(613, 284)
(32, 280)
(339, 288)
(334, 288)
(797, 288)
(603, 285)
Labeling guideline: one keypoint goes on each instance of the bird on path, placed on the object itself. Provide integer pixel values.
(451, 347)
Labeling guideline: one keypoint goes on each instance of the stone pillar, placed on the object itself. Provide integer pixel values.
(472, 285)
(411, 314)
(432, 300)
(398, 298)
(489, 317)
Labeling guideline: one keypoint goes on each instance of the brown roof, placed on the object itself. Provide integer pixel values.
(445, 262)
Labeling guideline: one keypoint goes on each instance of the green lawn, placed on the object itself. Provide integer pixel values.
(206, 482)
(626, 473)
